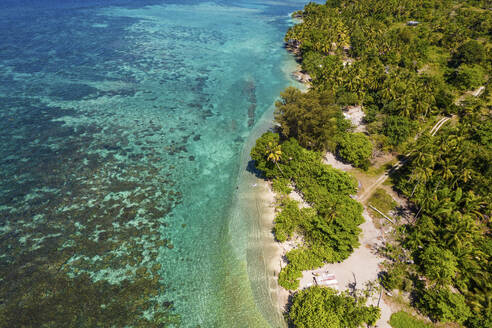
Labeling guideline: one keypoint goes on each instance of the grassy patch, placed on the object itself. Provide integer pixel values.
(402, 319)
(382, 201)
(374, 170)
(438, 56)
(378, 170)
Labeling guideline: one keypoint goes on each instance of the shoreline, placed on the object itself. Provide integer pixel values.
(253, 211)
(264, 198)
(251, 220)
(254, 201)
(266, 256)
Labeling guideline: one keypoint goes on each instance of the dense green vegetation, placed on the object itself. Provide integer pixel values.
(365, 53)
(329, 228)
(448, 177)
(397, 129)
(320, 307)
(313, 118)
(355, 148)
(404, 63)
(401, 74)
(402, 319)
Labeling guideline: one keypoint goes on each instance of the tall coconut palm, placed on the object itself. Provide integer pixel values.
(458, 234)
(447, 169)
(274, 154)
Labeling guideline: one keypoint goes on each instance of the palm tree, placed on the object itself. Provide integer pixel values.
(459, 232)
(473, 205)
(447, 169)
(420, 174)
(274, 154)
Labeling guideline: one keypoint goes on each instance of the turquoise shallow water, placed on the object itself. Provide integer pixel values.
(122, 125)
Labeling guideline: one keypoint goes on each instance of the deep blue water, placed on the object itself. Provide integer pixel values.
(121, 129)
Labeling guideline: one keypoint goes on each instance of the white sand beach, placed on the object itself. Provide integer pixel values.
(273, 250)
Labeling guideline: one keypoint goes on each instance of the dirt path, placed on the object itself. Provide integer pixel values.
(438, 125)
(364, 196)
(475, 93)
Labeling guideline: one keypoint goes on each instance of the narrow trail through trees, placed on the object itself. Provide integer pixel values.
(366, 194)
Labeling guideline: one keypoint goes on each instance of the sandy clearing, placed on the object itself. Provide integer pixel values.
(363, 265)
(355, 115)
(297, 197)
(330, 159)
